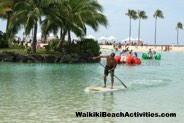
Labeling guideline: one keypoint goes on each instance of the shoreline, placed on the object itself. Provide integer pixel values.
(6, 56)
(165, 48)
(11, 56)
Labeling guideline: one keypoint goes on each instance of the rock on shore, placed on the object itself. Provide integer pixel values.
(37, 58)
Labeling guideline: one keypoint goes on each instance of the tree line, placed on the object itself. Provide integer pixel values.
(65, 16)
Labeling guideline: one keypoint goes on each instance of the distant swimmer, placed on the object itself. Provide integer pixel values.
(135, 54)
(109, 68)
(154, 53)
(131, 52)
(150, 54)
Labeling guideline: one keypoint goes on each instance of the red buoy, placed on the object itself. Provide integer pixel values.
(117, 58)
(137, 60)
(130, 60)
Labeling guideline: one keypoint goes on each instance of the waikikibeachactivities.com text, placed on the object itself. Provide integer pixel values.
(123, 114)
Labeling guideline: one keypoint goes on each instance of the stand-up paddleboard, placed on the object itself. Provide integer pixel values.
(101, 89)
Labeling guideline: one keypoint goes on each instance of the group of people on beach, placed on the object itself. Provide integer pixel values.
(167, 48)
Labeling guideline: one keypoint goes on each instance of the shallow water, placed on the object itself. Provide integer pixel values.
(45, 93)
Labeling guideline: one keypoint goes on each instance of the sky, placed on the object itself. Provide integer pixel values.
(118, 25)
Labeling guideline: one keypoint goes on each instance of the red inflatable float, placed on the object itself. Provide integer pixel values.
(137, 60)
(130, 60)
(118, 58)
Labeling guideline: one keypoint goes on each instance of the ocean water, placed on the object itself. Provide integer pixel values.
(52, 93)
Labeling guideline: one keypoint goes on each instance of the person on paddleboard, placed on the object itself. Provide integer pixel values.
(109, 68)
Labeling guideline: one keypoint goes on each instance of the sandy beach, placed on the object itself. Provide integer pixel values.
(146, 48)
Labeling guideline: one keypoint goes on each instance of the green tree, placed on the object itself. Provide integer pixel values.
(75, 15)
(132, 14)
(49, 25)
(65, 15)
(34, 16)
(10, 13)
(6, 10)
(15, 23)
(53, 22)
(30, 12)
(158, 14)
(178, 27)
(6, 13)
(141, 15)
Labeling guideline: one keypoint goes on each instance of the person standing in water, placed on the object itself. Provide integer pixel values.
(150, 53)
(109, 68)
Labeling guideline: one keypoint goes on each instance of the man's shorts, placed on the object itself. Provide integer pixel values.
(106, 71)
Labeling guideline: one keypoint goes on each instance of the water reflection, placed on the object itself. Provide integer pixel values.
(108, 101)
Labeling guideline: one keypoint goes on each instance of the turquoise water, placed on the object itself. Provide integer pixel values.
(52, 93)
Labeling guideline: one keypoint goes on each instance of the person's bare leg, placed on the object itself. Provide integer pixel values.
(112, 81)
(105, 79)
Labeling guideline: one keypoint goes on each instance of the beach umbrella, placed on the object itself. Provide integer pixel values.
(90, 37)
(16, 37)
(139, 39)
(111, 38)
(39, 35)
(52, 36)
(127, 39)
(75, 39)
(102, 38)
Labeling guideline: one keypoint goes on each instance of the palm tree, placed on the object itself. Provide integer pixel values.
(8, 11)
(132, 14)
(53, 18)
(75, 15)
(34, 16)
(141, 15)
(30, 12)
(3, 15)
(157, 14)
(65, 15)
(179, 26)
(49, 25)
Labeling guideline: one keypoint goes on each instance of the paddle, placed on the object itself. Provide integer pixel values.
(115, 76)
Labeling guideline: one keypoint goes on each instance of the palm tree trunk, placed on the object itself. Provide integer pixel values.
(139, 29)
(61, 33)
(155, 29)
(130, 30)
(34, 38)
(69, 37)
(62, 39)
(8, 22)
(177, 36)
(7, 30)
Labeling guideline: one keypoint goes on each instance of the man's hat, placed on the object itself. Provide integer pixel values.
(112, 54)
